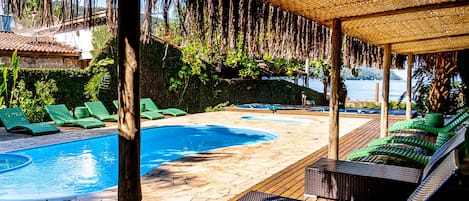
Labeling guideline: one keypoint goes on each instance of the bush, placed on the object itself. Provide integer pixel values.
(70, 83)
(31, 103)
(219, 107)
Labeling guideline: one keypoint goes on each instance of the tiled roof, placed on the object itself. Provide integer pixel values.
(48, 45)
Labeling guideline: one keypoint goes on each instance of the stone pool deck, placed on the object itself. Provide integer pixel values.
(218, 174)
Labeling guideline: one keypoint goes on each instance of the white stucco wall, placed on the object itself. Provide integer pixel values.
(79, 39)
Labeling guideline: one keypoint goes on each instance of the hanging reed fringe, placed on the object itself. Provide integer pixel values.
(222, 25)
(264, 29)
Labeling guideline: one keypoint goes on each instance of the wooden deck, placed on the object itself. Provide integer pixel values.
(290, 181)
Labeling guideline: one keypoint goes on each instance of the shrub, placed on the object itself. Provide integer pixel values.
(31, 103)
(219, 107)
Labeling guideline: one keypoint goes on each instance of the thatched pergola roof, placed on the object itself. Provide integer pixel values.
(411, 26)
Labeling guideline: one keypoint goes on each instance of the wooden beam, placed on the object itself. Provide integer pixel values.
(431, 50)
(442, 37)
(129, 184)
(441, 50)
(421, 8)
(333, 147)
(385, 90)
(429, 38)
(410, 65)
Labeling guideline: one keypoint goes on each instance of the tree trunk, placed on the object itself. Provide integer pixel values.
(110, 17)
(147, 33)
(129, 186)
(166, 5)
(445, 67)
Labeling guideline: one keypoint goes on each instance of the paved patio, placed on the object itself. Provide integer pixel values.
(216, 175)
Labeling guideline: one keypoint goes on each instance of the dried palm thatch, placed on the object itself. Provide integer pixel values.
(410, 26)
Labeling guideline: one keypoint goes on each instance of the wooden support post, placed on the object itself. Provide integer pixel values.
(129, 185)
(385, 90)
(408, 107)
(333, 152)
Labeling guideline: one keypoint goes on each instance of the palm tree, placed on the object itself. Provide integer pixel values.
(434, 82)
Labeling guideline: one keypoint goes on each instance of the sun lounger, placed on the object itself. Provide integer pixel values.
(424, 121)
(15, 120)
(418, 125)
(146, 114)
(151, 106)
(351, 180)
(98, 110)
(412, 141)
(404, 153)
(61, 116)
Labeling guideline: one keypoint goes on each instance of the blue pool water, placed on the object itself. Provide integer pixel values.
(361, 110)
(9, 162)
(276, 119)
(80, 167)
(260, 106)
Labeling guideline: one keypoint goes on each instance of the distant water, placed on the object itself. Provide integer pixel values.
(362, 89)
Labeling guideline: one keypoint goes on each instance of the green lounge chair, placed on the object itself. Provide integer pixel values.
(151, 106)
(61, 116)
(412, 141)
(146, 114)
(410, 122)
(404, 153)
(416, 125)
(15, 120)
(98, 110)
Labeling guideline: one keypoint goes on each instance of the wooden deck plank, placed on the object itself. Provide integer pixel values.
(293, 172)
(289, 182)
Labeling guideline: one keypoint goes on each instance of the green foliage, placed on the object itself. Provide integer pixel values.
(321, 68)
(191, 56)
(4, 86)
(100, 80)
(250, 70)
(193, 65)
(71, 83)
(100, 36)
(175, 36)
(219, 107)
(396, 105)
(161, 69)
(287, 67)
(248, 67)
(31, 103)
(393, 105)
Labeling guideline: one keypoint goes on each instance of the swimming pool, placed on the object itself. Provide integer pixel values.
(361, 110)
(276, 119)
(70, 169)
(9, 162)
(259, 106)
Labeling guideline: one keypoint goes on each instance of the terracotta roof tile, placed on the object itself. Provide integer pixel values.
(10, 41)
